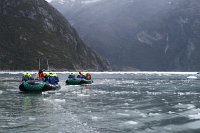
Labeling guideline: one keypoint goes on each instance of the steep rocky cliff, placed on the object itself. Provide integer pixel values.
(142, 34)
(32, 30)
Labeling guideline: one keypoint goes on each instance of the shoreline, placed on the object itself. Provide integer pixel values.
(105, 72)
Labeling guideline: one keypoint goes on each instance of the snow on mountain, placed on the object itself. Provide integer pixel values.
(89, 1)
(61, 1)
(58, 1)
(143, 34)
(74, 1)
(48, 0)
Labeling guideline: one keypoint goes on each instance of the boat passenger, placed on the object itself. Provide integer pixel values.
(27, 76)
(53, 79)
(81, 75)
(46, 76)
(56, 78)
(88, 76)
(71, 76)
(41, 75)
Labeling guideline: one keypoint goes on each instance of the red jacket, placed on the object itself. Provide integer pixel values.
(41, 75)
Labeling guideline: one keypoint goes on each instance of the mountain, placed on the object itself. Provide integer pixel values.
(155, 35)
(33, 30)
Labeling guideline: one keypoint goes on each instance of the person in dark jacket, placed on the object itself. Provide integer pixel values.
(81, 75)
(71, 76)
(56, 78)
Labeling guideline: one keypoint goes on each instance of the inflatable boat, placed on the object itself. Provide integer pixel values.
(78, 81)
(37, 86)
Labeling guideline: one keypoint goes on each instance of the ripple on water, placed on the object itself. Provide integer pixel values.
(116, 104)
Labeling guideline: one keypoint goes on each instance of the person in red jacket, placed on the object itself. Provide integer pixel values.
(41, 75)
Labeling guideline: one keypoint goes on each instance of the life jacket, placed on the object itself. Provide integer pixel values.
(27, 76)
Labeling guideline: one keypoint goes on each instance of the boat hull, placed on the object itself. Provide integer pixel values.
(78, 81)
(37, 86)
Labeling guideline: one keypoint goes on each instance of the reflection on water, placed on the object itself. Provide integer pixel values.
(115, 102)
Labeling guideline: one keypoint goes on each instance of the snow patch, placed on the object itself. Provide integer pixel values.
(61, 1)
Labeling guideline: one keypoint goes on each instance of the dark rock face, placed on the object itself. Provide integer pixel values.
(143, 34)
(32, 29)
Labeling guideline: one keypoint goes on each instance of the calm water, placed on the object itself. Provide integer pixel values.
(115, 103)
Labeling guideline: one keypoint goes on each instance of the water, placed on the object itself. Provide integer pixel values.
(115, 103)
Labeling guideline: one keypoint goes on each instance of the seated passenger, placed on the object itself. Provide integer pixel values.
(71, 76)
(88, 76)
(40, 74)
(27, 76)
(81, 75)
(56, 78)
(51, 79)
(46, 76)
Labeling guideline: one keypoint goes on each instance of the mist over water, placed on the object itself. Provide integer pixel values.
(116, 102)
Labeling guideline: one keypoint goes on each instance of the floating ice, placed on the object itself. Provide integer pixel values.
(44, 93)
(191, 77)
(126, 104)
(195, 116)
(83, 95)
(123, 114)
(143, 115)
(59, 100)
(32, 118)
(131, 122)
(95, 118)
(185, 106)
(190, 106)
(154, 114)
(46, 99)
(57, 94)
(170, 112)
